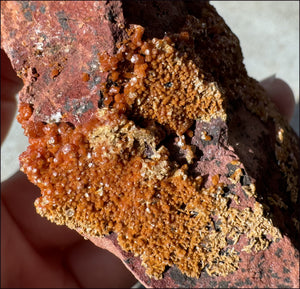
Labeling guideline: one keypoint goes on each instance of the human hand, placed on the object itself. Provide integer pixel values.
(37, 253)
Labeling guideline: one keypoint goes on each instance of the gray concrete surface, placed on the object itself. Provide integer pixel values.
(269, 36)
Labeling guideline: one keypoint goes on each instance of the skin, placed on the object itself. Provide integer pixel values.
(36, 253)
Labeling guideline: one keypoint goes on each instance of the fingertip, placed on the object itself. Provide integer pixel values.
(8, 73)
(282, 96)
(10, 85)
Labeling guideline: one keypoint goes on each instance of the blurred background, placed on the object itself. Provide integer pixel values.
(269, 37)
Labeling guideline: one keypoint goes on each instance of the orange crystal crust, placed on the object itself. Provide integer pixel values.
(99, 177)
(156, 82)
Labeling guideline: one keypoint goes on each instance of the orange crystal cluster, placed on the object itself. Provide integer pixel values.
(99, 177)
(155, 81)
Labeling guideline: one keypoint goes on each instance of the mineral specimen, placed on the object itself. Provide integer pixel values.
(148, 137)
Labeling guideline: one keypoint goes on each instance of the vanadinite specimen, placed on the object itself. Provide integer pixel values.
(148, 137)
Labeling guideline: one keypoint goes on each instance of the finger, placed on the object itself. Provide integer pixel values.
(94, 267)
(10, 85)
(8, 110)
(22, 266)
(281, 94)
(18, 195)
(8, 72)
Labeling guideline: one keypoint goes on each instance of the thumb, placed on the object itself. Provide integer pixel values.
(281, 94)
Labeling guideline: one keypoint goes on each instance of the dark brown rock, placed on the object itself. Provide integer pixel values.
(55, 47)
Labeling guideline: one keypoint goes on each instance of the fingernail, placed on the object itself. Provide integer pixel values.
(268, 80)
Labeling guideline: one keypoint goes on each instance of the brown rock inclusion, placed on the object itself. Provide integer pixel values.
(162, 151)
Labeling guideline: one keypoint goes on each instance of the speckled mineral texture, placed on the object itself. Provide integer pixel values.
(148, 137)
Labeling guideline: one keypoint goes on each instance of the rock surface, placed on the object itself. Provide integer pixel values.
(276, 267)
(55, 48)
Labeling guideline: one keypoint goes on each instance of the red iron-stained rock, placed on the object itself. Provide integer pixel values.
(144, 127)
(277, 267)
(52, 45)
